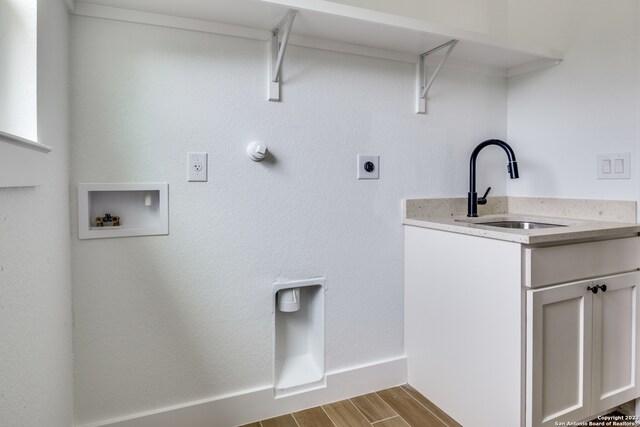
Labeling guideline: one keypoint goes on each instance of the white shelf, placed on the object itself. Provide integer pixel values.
(327, 25)
(23, 142)
(107, 228)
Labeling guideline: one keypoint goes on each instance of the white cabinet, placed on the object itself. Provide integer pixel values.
(616, 355)
(559, 337)
(582, 349)
(463, 330)
(499, 333)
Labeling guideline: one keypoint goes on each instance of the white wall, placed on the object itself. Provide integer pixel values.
(168, 320)
(35, 284)
(543, 22)
(482, 16)
(562, 117)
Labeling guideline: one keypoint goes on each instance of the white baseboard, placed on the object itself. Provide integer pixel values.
(260, 403)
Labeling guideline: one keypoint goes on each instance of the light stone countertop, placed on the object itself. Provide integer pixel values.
(430, 213)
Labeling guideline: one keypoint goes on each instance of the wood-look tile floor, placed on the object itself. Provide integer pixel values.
(400, 406)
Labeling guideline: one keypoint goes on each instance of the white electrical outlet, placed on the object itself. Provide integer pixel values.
(614, 166)
(368, 166)
(197, 167)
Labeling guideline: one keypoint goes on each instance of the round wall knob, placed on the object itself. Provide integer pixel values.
(257, 152)
(603, 288)
(594, 289)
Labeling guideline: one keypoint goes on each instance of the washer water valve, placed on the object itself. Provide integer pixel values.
(257, 152)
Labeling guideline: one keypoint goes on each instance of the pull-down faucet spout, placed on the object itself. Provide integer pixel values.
(512, 168)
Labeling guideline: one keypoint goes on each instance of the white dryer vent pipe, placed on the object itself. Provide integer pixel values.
(289, 300)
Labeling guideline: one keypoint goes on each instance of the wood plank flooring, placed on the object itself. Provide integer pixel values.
(401, 406)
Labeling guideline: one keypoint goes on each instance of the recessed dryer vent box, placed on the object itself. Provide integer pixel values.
(298, 352)
(141, 210)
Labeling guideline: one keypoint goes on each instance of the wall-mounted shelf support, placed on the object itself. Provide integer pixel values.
(278, 48)
(423, 85)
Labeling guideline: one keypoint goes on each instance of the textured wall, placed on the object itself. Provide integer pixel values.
(562, 117)
(35, 284)
(169, 319)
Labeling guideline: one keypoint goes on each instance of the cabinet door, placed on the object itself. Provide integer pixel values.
(558, 354)
(615, 342)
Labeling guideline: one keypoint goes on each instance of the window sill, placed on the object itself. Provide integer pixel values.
(24, 143)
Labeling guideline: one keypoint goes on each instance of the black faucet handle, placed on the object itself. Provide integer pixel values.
(483, 200)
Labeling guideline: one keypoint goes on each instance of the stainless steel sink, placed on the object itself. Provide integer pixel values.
(523, 225)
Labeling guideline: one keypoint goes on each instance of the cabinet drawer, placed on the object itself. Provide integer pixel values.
(558, 264)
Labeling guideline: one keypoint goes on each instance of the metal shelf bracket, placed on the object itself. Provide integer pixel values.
(423, 84)
(276, 53)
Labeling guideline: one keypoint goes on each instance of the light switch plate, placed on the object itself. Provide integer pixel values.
(368, 166)
(614, 166)
(197, 167)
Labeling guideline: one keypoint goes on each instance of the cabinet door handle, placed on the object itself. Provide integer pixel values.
(593, 289)
(602, 287)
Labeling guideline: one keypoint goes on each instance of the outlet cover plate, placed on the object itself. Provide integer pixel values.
(368, 173)
(614, 166)
(197, 167)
